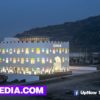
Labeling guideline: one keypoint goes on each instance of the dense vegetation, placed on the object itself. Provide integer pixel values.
(83, 35)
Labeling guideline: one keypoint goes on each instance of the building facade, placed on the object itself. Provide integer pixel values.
(33, 57)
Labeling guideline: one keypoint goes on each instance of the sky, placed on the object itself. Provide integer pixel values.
(17, 16)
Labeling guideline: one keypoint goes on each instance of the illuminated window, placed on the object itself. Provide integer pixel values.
(7, 60)
(32, 61)
(22, 60)
(66, 50)
(54, 51)
(10, 51)
(14, 60)
(37, 50)
(27, 59)
(32, 49)
(18, 59)
(47, 51)
(18, 50)
(0, 60)
(43, 61)
(14, 50)
(63, 60)
(60, 50)
(43, 50)
(7, 50)
(50, 60)
(3, 51)
(38, 70)
(27, 50)
(22, 50)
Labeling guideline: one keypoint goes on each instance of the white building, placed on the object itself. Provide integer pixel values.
(35, 55)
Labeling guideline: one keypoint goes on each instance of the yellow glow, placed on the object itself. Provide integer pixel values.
(18, 50)
(37, 50)
(14, 60)
(3, 51)
(22, 60)
(32, 61)
(27, 51)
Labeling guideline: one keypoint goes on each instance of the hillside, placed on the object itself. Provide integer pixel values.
(83, 35)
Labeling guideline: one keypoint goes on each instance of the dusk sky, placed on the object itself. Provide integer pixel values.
(17, 16)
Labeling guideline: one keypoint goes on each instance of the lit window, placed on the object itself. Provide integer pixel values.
(0, 60)
(37, 50)
(14, 60)
(32, 61)
(32, 49)
(14, 50)
(27, 51)
(22, 60)
(63, 60)
(38, 70)
(66, 50)
(43, 49)
(7, 50)
(7, 60)
(3, 51)
(50, 60)
(10, 51)
(47, 51)
(22, 50)
(18, 50)
(43, 60)
(27, 60)
(54, 51)
(60, 50)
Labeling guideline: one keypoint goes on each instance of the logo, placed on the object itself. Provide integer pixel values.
(56, 45)
(76, 93)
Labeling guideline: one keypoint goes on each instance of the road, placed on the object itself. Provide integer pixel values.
(82, 69)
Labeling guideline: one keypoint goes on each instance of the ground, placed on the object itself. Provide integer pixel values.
(62, 89)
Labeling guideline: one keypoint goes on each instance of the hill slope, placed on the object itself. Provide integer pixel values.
(82, 35)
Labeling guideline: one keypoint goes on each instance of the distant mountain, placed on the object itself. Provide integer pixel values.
(83, 35)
